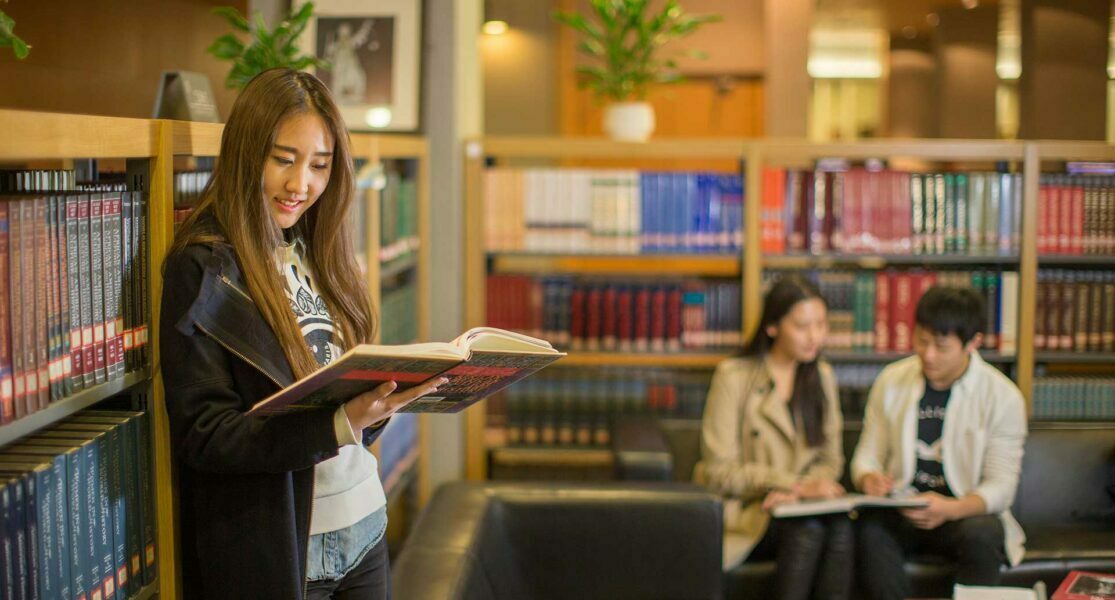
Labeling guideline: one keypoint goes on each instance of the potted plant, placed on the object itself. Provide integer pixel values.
(267, 49)
(8, 38)
(625, 40)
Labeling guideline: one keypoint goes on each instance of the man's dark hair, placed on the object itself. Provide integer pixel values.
(945, 310)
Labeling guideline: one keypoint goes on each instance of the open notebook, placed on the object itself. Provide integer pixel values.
(843, 504)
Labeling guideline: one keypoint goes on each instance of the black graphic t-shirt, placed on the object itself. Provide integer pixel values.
(309, 307)
(930, 473)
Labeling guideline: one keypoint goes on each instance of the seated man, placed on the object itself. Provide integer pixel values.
(949, 427)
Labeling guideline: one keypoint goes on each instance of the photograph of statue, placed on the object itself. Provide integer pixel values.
(359, 51)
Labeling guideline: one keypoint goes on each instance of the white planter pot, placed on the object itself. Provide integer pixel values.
(629, 121)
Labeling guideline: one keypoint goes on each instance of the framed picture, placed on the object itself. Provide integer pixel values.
(373, 51)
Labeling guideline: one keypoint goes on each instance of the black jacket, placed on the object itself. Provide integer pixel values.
(245, 484)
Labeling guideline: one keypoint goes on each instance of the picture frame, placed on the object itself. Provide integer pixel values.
(374, 52)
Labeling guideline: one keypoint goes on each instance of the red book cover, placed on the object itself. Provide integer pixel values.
(882, 311)
(1053, 230)
(673, 318)
(1053, 315)
(15, 307)
(492, 290)
(658, 319)
(869, 209)
(27, 309)
(610, 322)
(42, 301)
(902, 312)
(903, 220)
(642, 318)
(885, 223)
(96, 257)
(1084, 585)
(594, 316)
(1065, 217)
(577, 317)
(625, 319)
(851, 230)
(1039, 313)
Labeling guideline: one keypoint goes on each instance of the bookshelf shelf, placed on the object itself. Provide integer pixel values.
(1072, 260)
(1079, 358)
(39, 135)
(551, 456)
(57, 411)
(149, 592)
(580, 148)
(617, 359)
(191, 138)
(877, 261)
(851, 356)
(940, 150)
(642, 264)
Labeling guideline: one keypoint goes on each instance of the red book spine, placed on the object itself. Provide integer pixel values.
(658, 319)
(577, 317)
(1076, 238)
(610, 324)
(673, 318)
(882, 311)
(1053, 315)
(642, 318)
(1043, 217)
(537, 306)
(491, 288)
(1065, 218)
(625, 319)
(902, 296)
(593, 317)
(15, 307)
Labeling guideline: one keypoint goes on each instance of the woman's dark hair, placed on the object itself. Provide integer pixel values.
(807, 402)
(945, 310)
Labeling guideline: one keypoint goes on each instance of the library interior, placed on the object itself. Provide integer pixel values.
(740, 299)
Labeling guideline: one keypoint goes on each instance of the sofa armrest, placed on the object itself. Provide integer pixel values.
(641, 452)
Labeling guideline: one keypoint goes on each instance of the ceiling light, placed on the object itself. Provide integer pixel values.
(495, 27)
(909, 32)
(970, 4)
(933, 19)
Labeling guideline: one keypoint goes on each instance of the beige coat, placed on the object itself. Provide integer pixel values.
(750, 446)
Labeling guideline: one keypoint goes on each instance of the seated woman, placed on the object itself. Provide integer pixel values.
(771, 434)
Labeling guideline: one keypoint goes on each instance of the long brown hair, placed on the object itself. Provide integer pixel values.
(808, 398)
(233, 211)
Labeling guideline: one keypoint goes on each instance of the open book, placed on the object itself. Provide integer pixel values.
(843, 504)
(477, 364)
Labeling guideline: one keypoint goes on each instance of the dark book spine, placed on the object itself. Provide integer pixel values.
(1080, 320)
(7, 393)
(117, 505)
(594, 300)
(1039, 311)
(57, 390)
(7, 550)
(577, 318)
(42, 302)
(97, 272)
(673, 318)
(992, 283)
(130, 484)
(144, 295)
(147, 500)
(1095, 313)
(1068, 312)
(1053, 311)
(127, 282)
(882, 311)
(31, 535)
(64, 299)
(609, 325)
(44, 539)
(114, 332)
(86, 284)
(658, 319)
(73, 257)
(81, 553)
(91, 497)
(60, 508)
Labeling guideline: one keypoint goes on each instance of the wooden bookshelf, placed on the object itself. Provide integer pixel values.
(55, 136)
(1076, 260)
(852, 356)
(1025, 157)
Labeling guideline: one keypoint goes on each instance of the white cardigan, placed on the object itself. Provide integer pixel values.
(981, 441)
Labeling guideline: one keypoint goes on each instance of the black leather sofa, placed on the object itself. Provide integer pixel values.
(519, 541)
(1065, 501)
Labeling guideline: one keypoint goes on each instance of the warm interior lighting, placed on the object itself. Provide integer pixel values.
(495, 27)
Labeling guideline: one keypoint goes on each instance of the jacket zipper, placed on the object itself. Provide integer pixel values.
(232, 285)
(238, 354)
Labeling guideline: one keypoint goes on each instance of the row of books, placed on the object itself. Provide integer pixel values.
(73, 294)
(1075, 311)
(609, 316)
(890, 212)
(398, 449)
(1074, 398)
(874, 311)
(612, 211)
(1076, 214)
(188, 186)
(399, 310)
(580, 409)
(398, 222)
(77, 507)
(34, 180)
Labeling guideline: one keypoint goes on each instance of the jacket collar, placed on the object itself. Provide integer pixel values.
(771, 407)
(225, 312)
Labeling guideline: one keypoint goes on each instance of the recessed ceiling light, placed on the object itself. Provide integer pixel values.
(970, 4)
(932, 19)
(909, 32)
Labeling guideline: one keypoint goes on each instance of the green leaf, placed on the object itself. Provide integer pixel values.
(592, 47)
(233, 17)
(226, 47)
(20, 48)
(303, 15)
